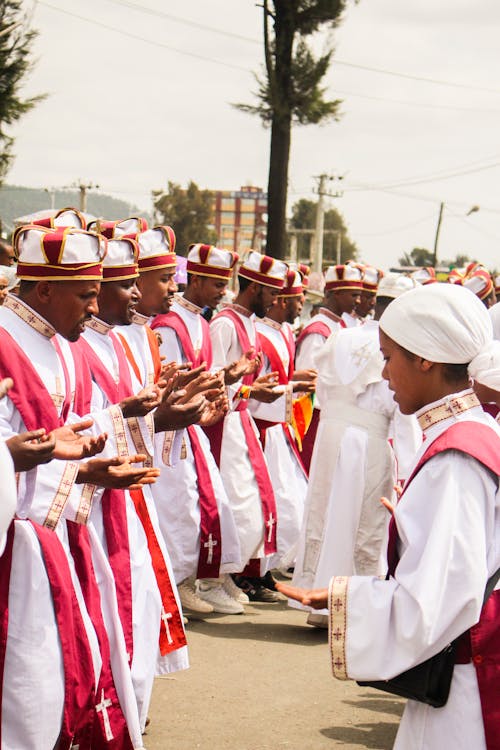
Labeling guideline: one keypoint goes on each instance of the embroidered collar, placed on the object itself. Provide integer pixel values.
(140, 320)
(239, 309)
(187, 305)
(29, 316)
(450, 406)
(99, 326)
(330, 314)
(272, 324)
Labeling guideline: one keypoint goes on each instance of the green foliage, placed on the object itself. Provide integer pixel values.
(189, 211)
(16, 40)
(419, 256)
(304, 217)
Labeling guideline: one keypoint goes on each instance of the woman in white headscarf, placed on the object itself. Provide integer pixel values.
(445, 541)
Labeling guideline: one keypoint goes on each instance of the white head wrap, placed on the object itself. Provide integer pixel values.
(485, 368)
(439, 322)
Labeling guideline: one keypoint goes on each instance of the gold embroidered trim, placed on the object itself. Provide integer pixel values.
(99, 326)
(29, 316)
(187, 305)
(329, 314)
(138, 440)
(239, 309)
(140, 320)
(450, 408)
(271, 323)
(85, 506)
(61, 497)
(168, 442)
(119, 430)
(184, 450)
(289, 403)
(337, 625)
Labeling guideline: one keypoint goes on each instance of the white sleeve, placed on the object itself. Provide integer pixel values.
(8, 493)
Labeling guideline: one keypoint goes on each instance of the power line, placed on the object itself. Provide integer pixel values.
(409, 103)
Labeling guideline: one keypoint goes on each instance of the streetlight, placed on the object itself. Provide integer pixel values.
(472, 210)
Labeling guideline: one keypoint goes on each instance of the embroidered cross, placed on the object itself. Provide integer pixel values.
(103, 706)
(270, 525)
(166, 616)
(337, 634)
(361, 355)
(338, 663)
(338, 604)
(211, 543)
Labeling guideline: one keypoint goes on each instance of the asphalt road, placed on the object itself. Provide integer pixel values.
(262, 681)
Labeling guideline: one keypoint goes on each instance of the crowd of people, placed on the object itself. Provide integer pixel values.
(164, 450)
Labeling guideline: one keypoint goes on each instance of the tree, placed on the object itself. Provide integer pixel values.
(304, 217)
(419, 256)
(189, 212)
(291, 92)
(16, 40)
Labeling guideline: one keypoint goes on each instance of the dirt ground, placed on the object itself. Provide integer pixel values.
(262, 681)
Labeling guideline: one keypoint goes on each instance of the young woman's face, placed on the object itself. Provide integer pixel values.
(405, 377)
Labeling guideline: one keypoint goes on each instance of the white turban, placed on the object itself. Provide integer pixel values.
(439, 322)
(485, 368)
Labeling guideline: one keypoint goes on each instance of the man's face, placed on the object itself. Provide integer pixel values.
(367, 303)
(345, 300)
(69, 304)
(157, 288)
(294, 307)
(211, 291)
(263, 300)
(3, 287)
(118, 301)
(6, 255)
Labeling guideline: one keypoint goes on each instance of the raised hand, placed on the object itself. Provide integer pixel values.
(215, 412)
(315, 598)
(305, 374)
(71, 446)
(117, 473)
(264, 388)
(249, 363)
(30, 449)
(303, 386)
(142, 403)
(174, 415)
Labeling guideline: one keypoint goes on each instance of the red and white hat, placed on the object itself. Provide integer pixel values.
(293, 284)
(394, 284)
(479, 282)
(496, 282)
(264, 270)
(426, 275)
(102, 226)
(304, 272)
(208, 260)
(371, 278)
(156, 249)
(130, 227)
(64, 254)
(64, 217)
(344, 276)
(120, 262)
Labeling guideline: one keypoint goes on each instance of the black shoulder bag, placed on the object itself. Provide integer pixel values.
(430, 681)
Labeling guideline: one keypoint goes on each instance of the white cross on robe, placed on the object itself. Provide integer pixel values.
(166, 616)
(270, 524)
(103, 706)
(210, 544)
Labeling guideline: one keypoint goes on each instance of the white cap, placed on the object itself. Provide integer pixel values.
(208, 260)
(58, 254)
(121, 260)
(394, 284)
(264, 270)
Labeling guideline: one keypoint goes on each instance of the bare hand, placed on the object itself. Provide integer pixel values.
(5, 386)
(117, 473)
(30, 449)
(315, 598)
(305, 374)
(249, 363)
(304, 386)
(70, 446)
(215, 412)
(173, 415)
(142, 403)
(263, 389)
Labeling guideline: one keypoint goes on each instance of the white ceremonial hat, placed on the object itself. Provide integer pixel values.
(120, 262)
(156, 249)
(480, 283)
(264, 270)
(130, 227)
(64, 217)
(371, 278)
(394, 284)
(425, 275)
(485, 368)
(208, 260)
(439, 322)
(58, 254)
(293, 284)
(343, 276)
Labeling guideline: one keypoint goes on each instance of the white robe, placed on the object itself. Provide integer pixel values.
(235, 468)
(287, 475)
(176, 491)
(449, 529)
(8, 493)
(345, 525)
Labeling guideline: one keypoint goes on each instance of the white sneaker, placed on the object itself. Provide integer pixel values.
(233, 590)
(190, 600)
(220, 600)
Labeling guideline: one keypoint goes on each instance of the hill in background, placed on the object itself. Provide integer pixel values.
(18, 201)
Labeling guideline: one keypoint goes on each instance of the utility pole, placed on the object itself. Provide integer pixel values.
(82, 187)
(320, 219)
(436, 238)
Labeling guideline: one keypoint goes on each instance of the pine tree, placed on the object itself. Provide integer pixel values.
(16, 41)
(291, 92)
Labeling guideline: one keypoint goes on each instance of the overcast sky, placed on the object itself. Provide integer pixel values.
(140, 92)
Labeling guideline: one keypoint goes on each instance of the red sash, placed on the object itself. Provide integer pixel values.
(482, 641)
(210, 532)
(309, 439)
(176, 322)
(172, 636)
(110, 728)
(254, 448)
(319, 327)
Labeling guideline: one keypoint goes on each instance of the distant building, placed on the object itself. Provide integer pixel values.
(240, 218)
